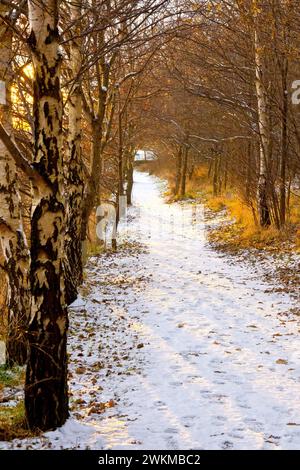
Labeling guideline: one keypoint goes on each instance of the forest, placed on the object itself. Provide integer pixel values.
(149, 224)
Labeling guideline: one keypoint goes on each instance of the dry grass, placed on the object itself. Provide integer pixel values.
(243, 232)
(13, 423)
(95, 248)
(236, 236)
(216, 203)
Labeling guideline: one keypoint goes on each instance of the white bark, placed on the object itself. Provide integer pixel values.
(46, 398)
(15, 258)
(262, 107)
(263, 119)
(74, 167)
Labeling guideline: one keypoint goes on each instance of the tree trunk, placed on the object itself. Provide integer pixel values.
(216, 177)
(46, 394)
(178, 171)
(226, 175)
(220, 181)
(120, 191)
(248, 173)
(129, 181)
(264, 131)
(91, 196)
(74, 171)
(284, 144)
(15, 259)
(93, 189)
(191, 168)
(184, 171)
(275, 206)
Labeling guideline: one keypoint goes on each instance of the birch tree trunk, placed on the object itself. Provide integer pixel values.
(264, 128)
(284, 142)
(46, 397)
(15, 258)
(74, 169)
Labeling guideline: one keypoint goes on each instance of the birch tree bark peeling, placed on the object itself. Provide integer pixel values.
(46, 397)
(15, 254)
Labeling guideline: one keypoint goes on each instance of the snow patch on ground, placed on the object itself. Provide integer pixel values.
(176, 346)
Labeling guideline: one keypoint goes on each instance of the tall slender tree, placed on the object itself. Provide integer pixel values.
(46, 397)
(15, 258)
(73, 165)
(263, 120)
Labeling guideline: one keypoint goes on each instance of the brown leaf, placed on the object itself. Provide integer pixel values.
(281, 361)
(110, 404)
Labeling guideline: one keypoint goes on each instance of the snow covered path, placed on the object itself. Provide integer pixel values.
(189, 349)
(221, 365)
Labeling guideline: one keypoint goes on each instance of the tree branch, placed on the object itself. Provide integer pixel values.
(19, 158)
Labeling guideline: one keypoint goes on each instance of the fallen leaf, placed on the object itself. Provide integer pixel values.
(110, 404)
(281, 361)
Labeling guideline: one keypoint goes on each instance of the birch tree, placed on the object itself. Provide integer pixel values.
(263, 121)
(46, 397)
(15, 254)
(73, 165)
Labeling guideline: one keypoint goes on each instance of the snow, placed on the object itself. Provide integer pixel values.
(78, 303)
(176, 346)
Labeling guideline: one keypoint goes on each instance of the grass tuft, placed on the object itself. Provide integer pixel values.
(11, 377)
(12, 417)
(13, 422)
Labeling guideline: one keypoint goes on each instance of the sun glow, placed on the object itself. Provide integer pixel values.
(22, 98)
